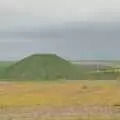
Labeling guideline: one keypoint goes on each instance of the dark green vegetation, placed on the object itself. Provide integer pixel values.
(52, 67)
(44, 67)
(4, 65)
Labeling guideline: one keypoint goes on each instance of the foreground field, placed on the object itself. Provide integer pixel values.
(63, 100)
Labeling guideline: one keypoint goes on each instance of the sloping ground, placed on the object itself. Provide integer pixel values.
(42, 66)
(51, 67)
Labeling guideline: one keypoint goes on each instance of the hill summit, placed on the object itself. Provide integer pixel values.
(44, 67)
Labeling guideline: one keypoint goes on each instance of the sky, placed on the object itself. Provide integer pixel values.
(73, 29)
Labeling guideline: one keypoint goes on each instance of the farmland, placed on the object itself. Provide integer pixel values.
(67, 100)
(48, 87)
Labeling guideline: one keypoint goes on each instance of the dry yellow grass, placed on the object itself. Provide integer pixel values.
(60, 93)
(63, 100)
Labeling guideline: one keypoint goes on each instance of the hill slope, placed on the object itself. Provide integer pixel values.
(42, 66)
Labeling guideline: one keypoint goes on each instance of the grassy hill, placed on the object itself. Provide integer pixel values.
(50, 67)
(44, 67)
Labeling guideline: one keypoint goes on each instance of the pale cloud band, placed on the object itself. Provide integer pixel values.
(15, 13)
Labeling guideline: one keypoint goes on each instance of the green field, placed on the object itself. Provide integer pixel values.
(48, 87)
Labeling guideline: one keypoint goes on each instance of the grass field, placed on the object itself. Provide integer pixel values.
(63, 100)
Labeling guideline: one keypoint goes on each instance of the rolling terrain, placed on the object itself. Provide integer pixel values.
(52, 67)
(48, 87)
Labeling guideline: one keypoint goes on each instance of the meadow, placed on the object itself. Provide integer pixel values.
(60, 100)
(32, 89)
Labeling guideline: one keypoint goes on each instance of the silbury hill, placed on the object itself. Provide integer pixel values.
(42, 67)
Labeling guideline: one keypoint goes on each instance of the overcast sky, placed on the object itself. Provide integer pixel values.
(74, 29)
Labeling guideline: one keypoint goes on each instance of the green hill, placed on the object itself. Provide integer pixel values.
(44, 67)
(50, 67)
